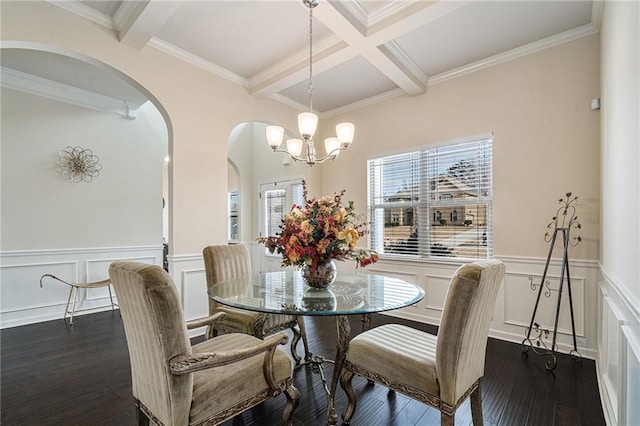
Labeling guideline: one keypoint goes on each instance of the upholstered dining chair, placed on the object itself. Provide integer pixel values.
(174, 383)
(443, 370)
(223, 262)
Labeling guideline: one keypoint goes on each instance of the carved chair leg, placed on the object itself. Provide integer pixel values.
(294, 344)
(345, 384)
(303, 334)
(293, 399)
(447, 419)
(476, 407)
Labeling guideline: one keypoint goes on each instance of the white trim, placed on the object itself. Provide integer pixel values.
(84, 11)
(518, 52)
(38, 86)
(622, 293)
(65, 251)
(394, 93)
(197, 61)
(528, 49)
(125, 12)
(196, 257)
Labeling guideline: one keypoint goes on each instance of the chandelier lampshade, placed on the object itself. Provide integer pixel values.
(275, 134)
(294, 147)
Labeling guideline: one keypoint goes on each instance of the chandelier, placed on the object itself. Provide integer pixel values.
(308, 122)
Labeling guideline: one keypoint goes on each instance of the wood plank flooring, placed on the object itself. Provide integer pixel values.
(52, 374)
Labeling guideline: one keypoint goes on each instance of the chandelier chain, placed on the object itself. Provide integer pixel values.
(310, 59)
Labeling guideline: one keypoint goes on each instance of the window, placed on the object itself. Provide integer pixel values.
(233, 215)
(444, 197)
(277, 198)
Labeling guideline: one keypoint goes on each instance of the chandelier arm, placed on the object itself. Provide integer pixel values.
(330, 155)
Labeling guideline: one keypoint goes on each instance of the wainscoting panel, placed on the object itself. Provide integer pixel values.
(519, 293)
(189, 275)
(24, 302)
(631, 385)
(618, 360)
(516, 299)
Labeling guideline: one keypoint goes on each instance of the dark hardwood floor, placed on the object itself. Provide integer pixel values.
(58, 375)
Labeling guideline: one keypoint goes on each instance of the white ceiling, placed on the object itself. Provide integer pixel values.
(364, 51)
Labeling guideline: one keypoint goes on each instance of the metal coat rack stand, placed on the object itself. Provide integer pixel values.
(562, 223)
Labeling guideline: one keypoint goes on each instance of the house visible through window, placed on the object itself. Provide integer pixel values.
(433, 202)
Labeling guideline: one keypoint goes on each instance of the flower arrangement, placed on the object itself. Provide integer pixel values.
(319, 231)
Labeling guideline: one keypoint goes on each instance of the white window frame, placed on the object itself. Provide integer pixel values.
(425, 199)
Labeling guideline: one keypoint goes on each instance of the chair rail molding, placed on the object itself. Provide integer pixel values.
(516, 298)
(24, 302)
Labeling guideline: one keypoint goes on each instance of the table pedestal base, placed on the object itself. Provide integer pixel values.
(316, 361)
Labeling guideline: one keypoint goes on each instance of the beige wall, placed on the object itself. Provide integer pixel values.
(546, 137)
(546, 140)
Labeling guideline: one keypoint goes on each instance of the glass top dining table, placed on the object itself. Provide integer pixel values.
(284, 292)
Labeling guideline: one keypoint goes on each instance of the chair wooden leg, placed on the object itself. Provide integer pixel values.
(476, 407)
(293, 399)
(345, 384)
(447, 419)
(294, 344)
(303, 335)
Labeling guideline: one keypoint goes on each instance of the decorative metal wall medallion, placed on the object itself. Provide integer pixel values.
(78, 164)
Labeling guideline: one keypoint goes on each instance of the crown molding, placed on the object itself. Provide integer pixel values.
(61, 92)
(387, 11)
(197, 61)
(299, 59)
(290, 103)
(567, 36)
(392, 48)
(394, 93)
(518, 52)
(126, 10)
(597, 8)
(85, 12)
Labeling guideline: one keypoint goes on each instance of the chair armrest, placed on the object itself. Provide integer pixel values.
(202, 322)
(183, 364)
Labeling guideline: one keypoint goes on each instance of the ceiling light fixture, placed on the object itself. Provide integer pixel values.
(308, 122)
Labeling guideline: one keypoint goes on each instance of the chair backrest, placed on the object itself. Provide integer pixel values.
(224, 262)
(464, 328)
(156, 331)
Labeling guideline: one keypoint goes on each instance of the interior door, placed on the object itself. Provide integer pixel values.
(276, 199)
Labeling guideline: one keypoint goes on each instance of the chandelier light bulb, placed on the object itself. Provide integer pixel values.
(332, 146)
(345, 133)
(307, 124)
(294, 147)
(275, 134)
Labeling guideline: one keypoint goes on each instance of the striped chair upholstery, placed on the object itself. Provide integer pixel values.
(441, 370)
(230, 261)
(174, 383)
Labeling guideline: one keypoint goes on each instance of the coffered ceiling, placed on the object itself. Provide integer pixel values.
(364, 51)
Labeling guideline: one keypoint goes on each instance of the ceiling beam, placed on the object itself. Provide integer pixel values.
(143, 19)
(374, 43)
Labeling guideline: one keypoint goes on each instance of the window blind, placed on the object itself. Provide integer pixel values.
(433, 202)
